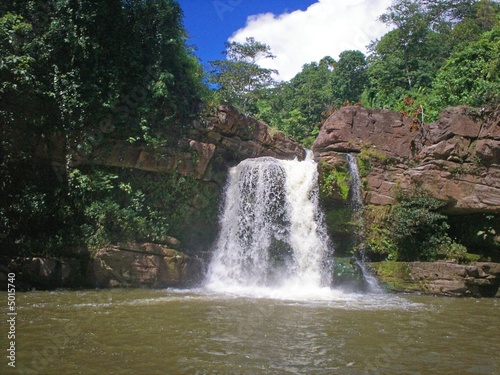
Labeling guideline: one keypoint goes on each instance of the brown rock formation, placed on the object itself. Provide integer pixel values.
(246, 137)
(225, 139)
(126, 265)
(144, 265)
(480, 279)
(456, 159)
(353, 128)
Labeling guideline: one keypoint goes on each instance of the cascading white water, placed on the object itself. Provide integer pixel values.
(356, 199)
(272, 233)
(357, 206)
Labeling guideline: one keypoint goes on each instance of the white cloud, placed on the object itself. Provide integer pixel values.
(326, 28)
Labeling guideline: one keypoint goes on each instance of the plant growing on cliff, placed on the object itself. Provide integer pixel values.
(334, 180)
(419, 229)
(365, 158)
(413, 229)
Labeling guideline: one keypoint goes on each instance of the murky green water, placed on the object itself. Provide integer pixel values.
(196, 332)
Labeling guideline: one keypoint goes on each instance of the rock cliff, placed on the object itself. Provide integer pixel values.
(456, 159)
(223, 139)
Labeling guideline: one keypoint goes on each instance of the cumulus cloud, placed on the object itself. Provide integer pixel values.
(326, 28)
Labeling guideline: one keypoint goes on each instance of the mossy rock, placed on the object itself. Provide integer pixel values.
(396, 276)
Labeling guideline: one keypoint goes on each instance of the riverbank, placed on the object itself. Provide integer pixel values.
(128, 265)
(154, 266)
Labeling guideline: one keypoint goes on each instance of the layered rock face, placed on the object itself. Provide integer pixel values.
(481, 279)
(127, 265)
(144, 265)
(223, 140)
(455, 159)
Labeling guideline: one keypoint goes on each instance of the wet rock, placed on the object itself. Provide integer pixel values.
(440, 278)
(144, 265)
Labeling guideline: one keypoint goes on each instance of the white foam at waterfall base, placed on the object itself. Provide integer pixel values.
(272, 242)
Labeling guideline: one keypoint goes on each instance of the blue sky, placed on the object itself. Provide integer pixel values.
(298, 31)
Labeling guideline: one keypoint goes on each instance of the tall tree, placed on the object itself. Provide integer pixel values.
(350, 76)
(239, 78)
(412, 30)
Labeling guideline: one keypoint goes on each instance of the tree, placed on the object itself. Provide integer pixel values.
(350, 76)
(472, 74)
(296, 107)
(239, 79)
(405, 61)
(481, 18)
(409, 18)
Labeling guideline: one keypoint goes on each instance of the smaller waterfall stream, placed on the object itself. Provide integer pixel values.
(272, 234)
(357, 206)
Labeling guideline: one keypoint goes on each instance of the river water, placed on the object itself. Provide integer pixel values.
(198, 331)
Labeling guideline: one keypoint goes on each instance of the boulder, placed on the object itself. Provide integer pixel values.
(353, 128)
(144, 265)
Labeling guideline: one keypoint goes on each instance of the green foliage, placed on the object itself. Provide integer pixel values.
(123, 63)
(413, 229)
(418, 226)
(366, 156)
(85, 72)
(117, 206)
(334, 181)
(432, 56)
(479, 233)
(37, 214)
(299, 107)
(349, 77)
(472, 74)
(239, 79)
(379, 243)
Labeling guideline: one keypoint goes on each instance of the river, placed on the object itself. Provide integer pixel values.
(142, 331)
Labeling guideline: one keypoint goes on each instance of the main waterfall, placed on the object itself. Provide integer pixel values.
(272, 235)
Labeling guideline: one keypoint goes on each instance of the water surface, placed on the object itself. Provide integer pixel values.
(203, 332)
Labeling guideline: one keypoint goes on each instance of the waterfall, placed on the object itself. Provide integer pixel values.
(357, 207)
(356, 199)
(272, 233)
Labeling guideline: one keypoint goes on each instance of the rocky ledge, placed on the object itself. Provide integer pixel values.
(481, 279)
(456, 159)
(214, 144)
(127, 265)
